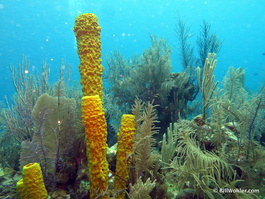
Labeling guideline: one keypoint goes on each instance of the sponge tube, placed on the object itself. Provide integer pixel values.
(87, 32)
(124, 150)
(96, 138)
(33, 180)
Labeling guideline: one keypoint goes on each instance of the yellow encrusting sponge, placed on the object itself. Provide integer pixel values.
(96, 138)
(124, 150)
(33, 181)
(87, 32)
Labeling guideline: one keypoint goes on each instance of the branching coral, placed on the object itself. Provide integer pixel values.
(155, 65)
(195, 167)
(207, 43)
(177, 91)
(141, 189)
(144, 158)
(186, 51)
(148, 77)
(168, 146)
(28, 88)
(207, 84)
(220, 153)
(142, 76)
(238, 110)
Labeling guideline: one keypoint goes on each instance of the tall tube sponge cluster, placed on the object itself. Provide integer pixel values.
(87, 32)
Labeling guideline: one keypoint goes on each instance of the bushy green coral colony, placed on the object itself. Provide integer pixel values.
(194, 138)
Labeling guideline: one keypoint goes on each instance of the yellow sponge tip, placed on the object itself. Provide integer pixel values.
(87, 32)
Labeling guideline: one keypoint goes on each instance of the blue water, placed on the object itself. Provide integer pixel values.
(42, 30)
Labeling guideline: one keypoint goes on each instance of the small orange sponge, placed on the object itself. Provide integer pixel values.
(124, 149)
(87, 32)
(96, 138)
(33, 181)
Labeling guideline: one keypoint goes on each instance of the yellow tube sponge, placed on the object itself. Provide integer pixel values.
(124, 149)
(87, 32)
(96, 138)
(21, 189)
(33, 180)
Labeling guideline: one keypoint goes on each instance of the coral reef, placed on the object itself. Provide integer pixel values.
(224, 141)
(163, 151)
